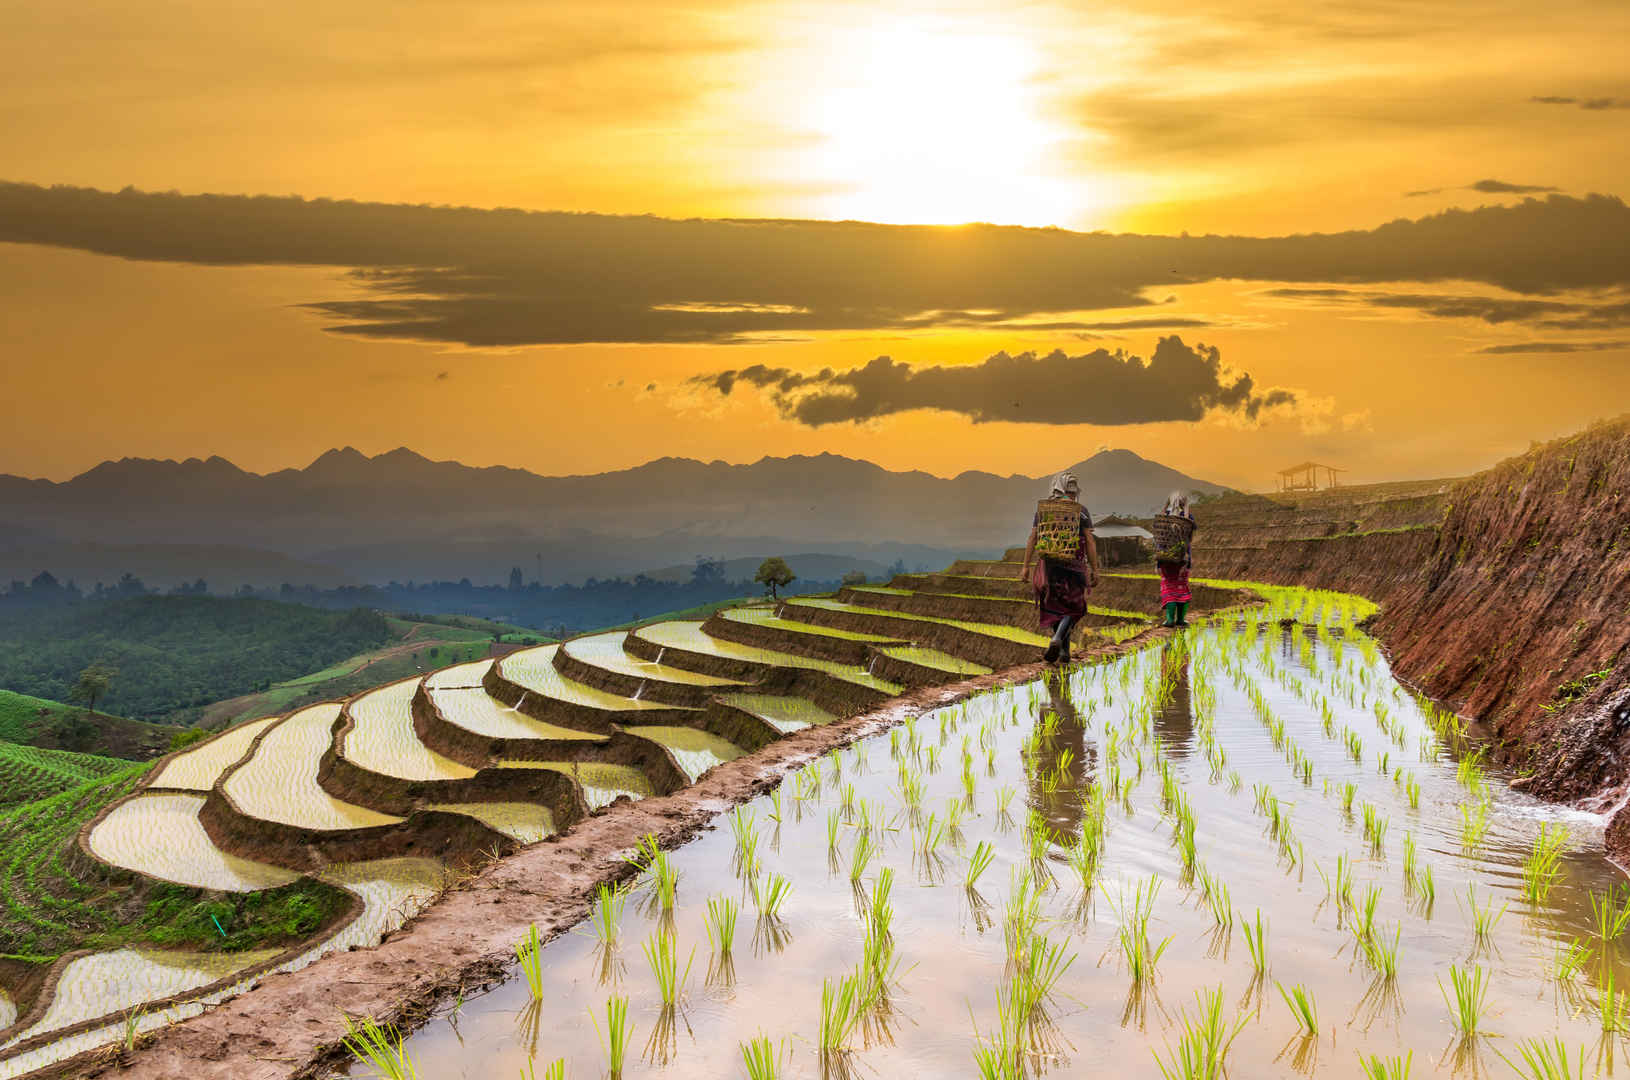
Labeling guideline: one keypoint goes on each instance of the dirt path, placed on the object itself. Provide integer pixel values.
(289, 1026)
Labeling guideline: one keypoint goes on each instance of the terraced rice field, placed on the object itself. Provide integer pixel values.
(534, 669)
(1248, 852)
(474, 711)
(786, 714)
(601, 782)
(690, 637)
(158, 834)
(695, 751)
(382, 738)
(197, 769)
(935, 659)
(274, 781)
(526, 822)
(768, 617)
(606, 651)
(1006, 633)
(279, 783)
(31, 772)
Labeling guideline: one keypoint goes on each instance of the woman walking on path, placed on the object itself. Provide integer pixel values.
(1066, 562)
(1174, 572)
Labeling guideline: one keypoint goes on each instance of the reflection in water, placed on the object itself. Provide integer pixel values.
(1230, 728)
(1060, 764)
(1174, 711)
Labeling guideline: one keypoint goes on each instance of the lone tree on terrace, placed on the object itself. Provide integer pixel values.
(774, 574)
(93, 685)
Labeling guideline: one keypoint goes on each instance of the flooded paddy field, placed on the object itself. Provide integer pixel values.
(1246, 845)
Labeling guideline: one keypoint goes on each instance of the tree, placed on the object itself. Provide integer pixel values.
(515, 581)
(855, 577)
(774, 574)
(93, 685)
(708, 572)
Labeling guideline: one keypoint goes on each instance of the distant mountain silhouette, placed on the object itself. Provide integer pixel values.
(401, 516)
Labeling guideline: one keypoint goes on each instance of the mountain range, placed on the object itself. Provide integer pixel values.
(351, 518)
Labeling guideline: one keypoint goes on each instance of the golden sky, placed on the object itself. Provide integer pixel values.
(183, 327)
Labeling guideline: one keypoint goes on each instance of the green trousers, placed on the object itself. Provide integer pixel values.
(1176, 613)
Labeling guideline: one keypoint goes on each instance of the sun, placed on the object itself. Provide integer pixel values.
(923, 120)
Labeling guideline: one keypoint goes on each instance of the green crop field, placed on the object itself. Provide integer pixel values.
(54, 899)
(31, 772)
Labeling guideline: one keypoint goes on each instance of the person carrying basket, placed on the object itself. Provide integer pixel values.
(1065, 556)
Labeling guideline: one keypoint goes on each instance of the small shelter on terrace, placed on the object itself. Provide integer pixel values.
(1121, 542)
(1305, 477)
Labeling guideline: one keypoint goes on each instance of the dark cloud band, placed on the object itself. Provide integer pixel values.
(512, 277)
(1176, 383)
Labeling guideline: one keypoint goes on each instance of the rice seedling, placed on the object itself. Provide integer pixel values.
(841, 1008)
(1610, 1004)
(1202, 1048)
(662, 953)
(1425, 888)
(1376, 1067)
(860, 857)
(1410, 858)
(761, 1059)
(379, 1046)
(1134, 914)
(834, 822)
(879, 909)
(720, 923)
(529, 952)
(1543, 865)
(616, 1034)
(1542, 1060)
(1256, 940)
(1412, 791)
(1569, 960)
(1364, 914)
(769, 893)
(1302, 1008)
(978, 863)
(1611, 913)
(608, 914)
(1348, 790)
(1483, 918)
(1380, 955)
(1474, 824)
(775, 806)
(1470, 990)
(1004, 800)
(132, 1028)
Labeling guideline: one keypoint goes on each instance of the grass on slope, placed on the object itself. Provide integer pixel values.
(34, 721)
(54, 899)
(31, 772)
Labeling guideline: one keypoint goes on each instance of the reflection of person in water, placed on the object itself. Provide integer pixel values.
(1063, 806)
(1174, 712)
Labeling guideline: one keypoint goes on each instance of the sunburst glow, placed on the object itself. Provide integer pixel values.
(928, 121)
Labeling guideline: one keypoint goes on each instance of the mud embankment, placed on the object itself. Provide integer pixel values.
(1521, 614)
(1505, 595)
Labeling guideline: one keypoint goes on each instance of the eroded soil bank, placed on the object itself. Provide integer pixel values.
(290, 1025)
(1505, 595)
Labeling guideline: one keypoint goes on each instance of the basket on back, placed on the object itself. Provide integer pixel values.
(1058, 530)
(1172, 535)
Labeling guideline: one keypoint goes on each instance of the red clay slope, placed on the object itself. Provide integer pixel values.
(1524, 604)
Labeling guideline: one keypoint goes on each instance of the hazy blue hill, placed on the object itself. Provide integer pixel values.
(400, 515)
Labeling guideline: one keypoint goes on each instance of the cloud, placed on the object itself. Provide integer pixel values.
(1553, 347)
(1592, 103)
(1176, 383)
(1555, 314)
(1487, 187)
(509, 277)
(1503, 186)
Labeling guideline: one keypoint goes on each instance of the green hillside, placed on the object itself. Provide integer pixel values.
(175, 653)
(31, 772)
(33, 721)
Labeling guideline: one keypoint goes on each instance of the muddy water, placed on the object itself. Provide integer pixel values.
(951, 944)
